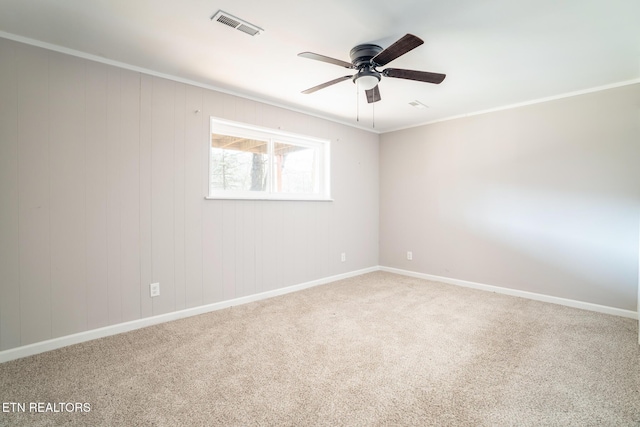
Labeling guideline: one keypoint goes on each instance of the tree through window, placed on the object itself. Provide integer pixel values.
(251, 162)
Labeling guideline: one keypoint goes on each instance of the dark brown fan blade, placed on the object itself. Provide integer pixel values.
(323, 85)
(317, 57)
(421, 76)
(399, 48)
(373, 95)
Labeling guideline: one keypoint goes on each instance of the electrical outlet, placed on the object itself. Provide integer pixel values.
(343, 256)
(154, 289)
(409, 255)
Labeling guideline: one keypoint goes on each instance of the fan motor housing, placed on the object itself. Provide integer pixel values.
(362, 54)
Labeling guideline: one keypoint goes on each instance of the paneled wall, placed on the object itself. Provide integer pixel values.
(102, 185)
(543, 198)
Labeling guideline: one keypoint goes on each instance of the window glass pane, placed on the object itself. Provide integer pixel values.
(251, 162)
(238, 164)
(296, 168)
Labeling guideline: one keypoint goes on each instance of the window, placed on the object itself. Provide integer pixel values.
(250, 162)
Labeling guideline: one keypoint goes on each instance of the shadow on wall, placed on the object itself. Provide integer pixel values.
(588, 241)
(543, 198)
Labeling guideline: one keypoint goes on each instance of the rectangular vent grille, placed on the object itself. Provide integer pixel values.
(418, 104)
(247, 29)
(237, 23)
(228, 21)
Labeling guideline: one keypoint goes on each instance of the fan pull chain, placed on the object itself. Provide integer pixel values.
(373, 115)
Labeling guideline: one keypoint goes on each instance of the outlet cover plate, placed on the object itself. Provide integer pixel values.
(154, 289)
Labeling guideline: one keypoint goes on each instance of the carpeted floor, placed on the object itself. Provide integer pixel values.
(374, 350)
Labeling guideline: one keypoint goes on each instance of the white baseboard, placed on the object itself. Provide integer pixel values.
(52, 344)
(514, 292)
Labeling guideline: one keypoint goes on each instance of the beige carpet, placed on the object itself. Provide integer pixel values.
(378, 349)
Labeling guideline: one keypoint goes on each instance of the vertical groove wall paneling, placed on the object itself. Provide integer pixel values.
(33, 188)
(180, 113)
(104, 174)
(258, 249)
(146, 277)
(162, 194)
(291, 247)
(272, 239)
(321, 237)
(229, 243)
(212, 251)
(95, 195)
(303, 256)
(321, 227)
(248, 235)
(195, 145)
(240, 243)
(9, 199)
(129, 184)
(67, 168)
(113, 195)
(339, 211)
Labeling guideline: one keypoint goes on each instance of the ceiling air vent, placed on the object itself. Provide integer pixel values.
(237, 23)
(418, 104)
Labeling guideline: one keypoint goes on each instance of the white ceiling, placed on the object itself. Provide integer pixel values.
(494, 52)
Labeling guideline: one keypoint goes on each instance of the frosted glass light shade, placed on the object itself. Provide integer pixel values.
(367, 82)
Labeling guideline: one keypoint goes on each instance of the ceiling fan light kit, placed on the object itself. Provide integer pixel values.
(366, 58)
(367, 80)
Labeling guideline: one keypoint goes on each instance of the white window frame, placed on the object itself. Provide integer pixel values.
(243, 130)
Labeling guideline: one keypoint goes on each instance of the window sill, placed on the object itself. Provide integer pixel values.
(272, 199)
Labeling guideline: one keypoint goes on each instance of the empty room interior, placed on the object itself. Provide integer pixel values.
(326, 213)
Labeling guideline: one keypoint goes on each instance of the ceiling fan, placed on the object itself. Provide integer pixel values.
(366, 58)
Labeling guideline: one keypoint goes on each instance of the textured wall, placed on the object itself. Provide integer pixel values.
(102, 186)
(543, 198)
